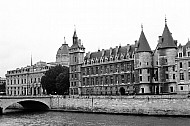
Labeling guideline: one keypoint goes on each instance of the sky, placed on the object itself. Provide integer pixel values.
(38, 27)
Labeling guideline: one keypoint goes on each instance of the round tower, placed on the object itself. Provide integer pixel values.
(143, 66)
(166, 61)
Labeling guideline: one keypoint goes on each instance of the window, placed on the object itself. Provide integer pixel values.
(92, 70)
(180, 65)
(122, 79)
(181, 88)
(173, 76)
(180, 54)
(140, 71)
(189, 75)
(122, 66)
(148, 78)
(147, 63)
(166, 69)
(116, 79)
(140, 78)
(83, 81)
(111, 79)
(96, 70)
(167, 77)
(188, 64)
(92, 81)
(148, 71)
(171, 89)
(97, 82)
(181, 76)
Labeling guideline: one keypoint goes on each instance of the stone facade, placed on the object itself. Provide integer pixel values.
(131, 69)
(26, 80)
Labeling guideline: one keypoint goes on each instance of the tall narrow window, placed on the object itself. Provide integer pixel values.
(180, 65)
(181, 76)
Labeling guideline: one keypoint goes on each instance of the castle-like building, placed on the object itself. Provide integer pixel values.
(131, 69)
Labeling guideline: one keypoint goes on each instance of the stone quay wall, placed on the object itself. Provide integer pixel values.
(178, 105)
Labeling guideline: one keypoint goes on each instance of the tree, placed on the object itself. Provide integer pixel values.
(56, 80)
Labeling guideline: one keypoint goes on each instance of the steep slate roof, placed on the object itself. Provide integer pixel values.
(77, 45)
(121, 50)
(143, 45)
(78, 42)
(167, 39)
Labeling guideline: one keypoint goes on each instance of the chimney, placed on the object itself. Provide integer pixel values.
(136, 44)
(103, 52)
(116, 50)
(110, 51)
(128, 47)
(88, 55)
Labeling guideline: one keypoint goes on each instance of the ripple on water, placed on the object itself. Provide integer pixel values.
(86, 119)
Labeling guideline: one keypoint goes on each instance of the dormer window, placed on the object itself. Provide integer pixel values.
(101, 60)
(92, 61)
(111, 58)
(116, 57)
(180, 54)
(106, 59)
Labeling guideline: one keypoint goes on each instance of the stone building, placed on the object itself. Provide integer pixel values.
(2, 85)
(131, 69)
(76, 57)
(62, 56)
(182, 61)
(26, 80)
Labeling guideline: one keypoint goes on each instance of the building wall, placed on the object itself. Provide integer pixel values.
(107, 78)
(167, 70)
(144, 62)
(27, 80)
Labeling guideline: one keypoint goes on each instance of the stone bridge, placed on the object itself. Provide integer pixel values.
(28, 102)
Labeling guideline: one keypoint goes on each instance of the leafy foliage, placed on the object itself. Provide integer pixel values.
(56, 80)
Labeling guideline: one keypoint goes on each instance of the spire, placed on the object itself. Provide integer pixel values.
(143, 45)
(142, 27)
(167, 39)
(31, 60)
(165, 20)
(75, 34)
(64, 41)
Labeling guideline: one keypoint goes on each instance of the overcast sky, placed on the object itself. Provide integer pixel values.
(38, 27)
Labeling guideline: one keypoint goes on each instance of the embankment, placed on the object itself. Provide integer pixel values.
(148, 105)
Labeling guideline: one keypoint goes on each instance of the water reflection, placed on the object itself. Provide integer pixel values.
(85, 119)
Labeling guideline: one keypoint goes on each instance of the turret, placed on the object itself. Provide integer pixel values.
(166, 61)
(143, 65)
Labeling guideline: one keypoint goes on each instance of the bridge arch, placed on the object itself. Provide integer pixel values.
(28, 104)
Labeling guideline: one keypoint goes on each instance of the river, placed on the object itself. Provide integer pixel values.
(51, 118)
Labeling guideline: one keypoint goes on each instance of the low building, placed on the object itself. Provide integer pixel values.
(26, 80)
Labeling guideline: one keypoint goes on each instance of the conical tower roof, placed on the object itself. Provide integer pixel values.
(167, 39)
(143, 45)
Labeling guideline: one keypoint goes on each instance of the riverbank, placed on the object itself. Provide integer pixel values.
(159, 105)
